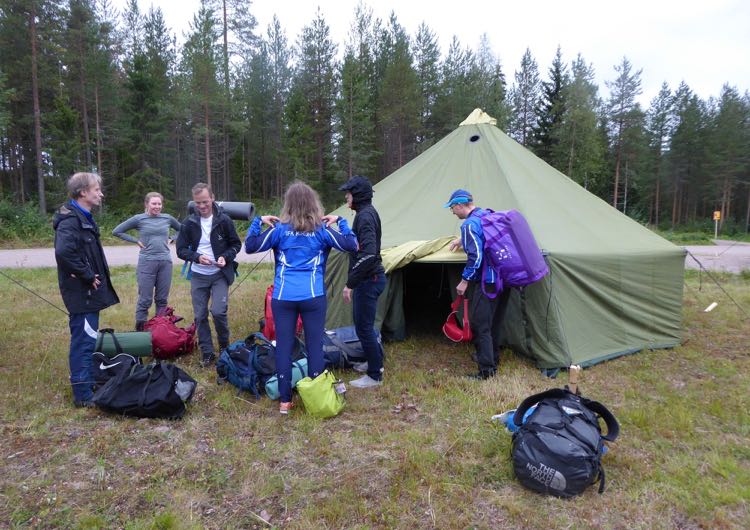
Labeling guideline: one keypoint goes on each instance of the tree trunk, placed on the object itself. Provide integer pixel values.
(84, 107)
(675, 202)
(657, 198)
(99, 167)
(618, 158)
(208, 140)
(37, 113)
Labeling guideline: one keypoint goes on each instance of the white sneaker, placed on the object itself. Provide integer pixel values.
(360, 367)
(365, 382)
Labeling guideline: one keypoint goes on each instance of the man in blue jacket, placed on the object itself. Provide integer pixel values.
(83, 277)
(209, 241)
(485, 313)
(366, 280)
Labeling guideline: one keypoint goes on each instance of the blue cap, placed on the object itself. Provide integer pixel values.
(459, 197)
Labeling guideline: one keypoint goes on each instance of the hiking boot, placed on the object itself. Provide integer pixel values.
(285, 407)
(365, 382)
(84, 404)
(139, 324)
(207, 359)
(360, 367)
(481, 375)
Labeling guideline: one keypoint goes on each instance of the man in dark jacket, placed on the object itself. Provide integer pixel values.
(209, 241)
(366, 279)
(83, 277)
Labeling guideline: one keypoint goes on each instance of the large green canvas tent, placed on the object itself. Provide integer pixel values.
(614, 286)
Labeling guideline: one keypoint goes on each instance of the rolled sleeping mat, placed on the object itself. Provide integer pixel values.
(111, 343)
(238, 211)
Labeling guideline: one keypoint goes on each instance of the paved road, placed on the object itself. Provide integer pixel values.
(116, 255)
(726, 256)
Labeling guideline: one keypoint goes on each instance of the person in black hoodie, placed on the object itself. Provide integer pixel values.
(366, 279)
(209, 241)
(83, 277)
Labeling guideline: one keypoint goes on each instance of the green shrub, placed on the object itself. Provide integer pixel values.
(23, 222)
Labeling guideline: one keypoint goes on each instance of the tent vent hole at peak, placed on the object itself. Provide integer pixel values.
(474, 138)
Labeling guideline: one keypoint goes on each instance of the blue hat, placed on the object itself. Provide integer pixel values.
(459, 197)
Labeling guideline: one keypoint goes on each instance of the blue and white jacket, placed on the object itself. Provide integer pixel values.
(472, 239)
(300, 256)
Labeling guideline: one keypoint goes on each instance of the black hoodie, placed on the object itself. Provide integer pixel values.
(366, 262)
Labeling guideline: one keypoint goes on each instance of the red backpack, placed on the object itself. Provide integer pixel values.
(167, 340)
(267, 326)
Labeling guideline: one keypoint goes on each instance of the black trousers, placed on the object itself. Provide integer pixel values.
(485, 316)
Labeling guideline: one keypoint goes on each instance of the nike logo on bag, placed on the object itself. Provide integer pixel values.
(103, 366)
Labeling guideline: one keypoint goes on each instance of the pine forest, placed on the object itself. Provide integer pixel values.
(249, 109)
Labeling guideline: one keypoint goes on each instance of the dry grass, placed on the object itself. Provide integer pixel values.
(420, 452)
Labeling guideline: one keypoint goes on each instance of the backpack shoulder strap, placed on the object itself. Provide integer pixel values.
(530, 401)
(613, 427)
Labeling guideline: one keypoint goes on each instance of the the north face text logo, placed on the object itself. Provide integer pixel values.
(546, 475)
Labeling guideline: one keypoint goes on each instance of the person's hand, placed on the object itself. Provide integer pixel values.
(461, 287)
(221, 262)
(455, 244)
(269, 220)
(347, 295)
(329, 219)
(205, 260)
(96, 283)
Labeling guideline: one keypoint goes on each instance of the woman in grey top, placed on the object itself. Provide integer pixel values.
(154, 270)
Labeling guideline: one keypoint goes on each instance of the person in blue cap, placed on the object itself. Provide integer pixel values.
(485, 314)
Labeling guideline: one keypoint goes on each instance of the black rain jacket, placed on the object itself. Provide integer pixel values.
(80, 256)
(366, 262)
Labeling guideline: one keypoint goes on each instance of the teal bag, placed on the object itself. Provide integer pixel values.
(299, 371)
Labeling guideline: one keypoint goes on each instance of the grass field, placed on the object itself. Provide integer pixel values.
(420, 452)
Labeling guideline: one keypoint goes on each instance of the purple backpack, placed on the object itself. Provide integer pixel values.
(510, 250)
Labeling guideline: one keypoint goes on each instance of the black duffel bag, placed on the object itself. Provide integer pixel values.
(343, 349)
(558, 448)
(156, 390)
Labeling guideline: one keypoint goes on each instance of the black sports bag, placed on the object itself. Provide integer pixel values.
(104, 367)
(558, 449)
(156, 390)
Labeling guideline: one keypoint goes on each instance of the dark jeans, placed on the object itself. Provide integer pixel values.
(485, 316)
(364, 306)
(82, 345)
(213, 286)
(154, 280)
(285, 313)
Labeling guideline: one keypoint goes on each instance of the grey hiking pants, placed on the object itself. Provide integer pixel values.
(154, 281)
(214, 287)
(485, 316)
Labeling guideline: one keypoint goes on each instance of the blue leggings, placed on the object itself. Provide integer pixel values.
(285, 313)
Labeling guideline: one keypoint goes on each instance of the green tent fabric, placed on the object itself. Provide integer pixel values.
(614, 286)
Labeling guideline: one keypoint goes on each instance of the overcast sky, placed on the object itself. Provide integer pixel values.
(706, 43)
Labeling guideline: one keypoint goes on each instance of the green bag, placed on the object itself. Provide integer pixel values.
(320, 398)
(111, 343)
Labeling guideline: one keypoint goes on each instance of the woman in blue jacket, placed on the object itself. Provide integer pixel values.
(301, 242)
